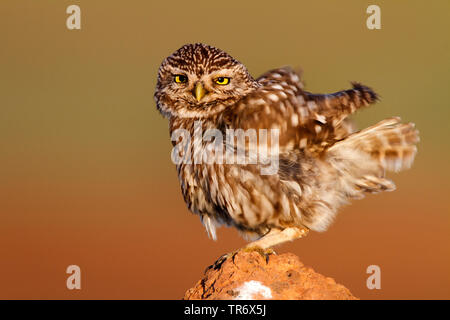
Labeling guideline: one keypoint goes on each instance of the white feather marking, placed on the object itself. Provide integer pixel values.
(273, 97)
(303, 143)
(210, 226)
(321, 118)
(294, 186)
(277, 87)
(311, 105)
(260, 101)
(294, 120)
(303, 112)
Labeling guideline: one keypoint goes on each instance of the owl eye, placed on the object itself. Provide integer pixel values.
(222, 80)
(179, 78)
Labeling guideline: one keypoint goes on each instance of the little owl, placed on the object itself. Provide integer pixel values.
(322, 162)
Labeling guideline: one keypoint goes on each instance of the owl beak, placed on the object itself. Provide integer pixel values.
(199, 91)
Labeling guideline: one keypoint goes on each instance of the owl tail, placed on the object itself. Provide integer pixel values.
(364, 156)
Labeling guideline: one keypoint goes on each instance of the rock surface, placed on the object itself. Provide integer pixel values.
(250, 275)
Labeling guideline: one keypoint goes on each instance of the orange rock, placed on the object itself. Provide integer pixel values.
(280, 277)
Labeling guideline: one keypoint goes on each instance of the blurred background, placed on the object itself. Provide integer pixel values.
(85, 170)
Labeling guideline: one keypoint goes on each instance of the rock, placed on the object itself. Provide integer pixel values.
(250, 275)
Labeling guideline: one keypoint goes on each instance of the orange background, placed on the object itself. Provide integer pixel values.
(85, 170)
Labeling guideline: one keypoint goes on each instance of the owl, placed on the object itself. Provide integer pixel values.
(322, 162)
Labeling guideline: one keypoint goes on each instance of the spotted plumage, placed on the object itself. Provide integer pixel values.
(322, 162)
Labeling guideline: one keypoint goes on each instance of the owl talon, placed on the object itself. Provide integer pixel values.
(265, 253)
(218, 263)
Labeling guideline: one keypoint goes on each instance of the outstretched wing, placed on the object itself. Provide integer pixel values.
(305, 120)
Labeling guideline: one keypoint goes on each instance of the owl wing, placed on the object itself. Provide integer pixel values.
(305, 120)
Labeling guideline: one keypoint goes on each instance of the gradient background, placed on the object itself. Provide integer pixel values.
(85, 170)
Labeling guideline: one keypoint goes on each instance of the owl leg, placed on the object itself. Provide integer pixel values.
(277, 236)
(264, 245)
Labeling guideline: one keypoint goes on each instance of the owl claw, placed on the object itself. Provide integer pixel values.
(265, 253)
(218, 263)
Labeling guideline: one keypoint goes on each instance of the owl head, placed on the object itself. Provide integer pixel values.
(198, 81)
